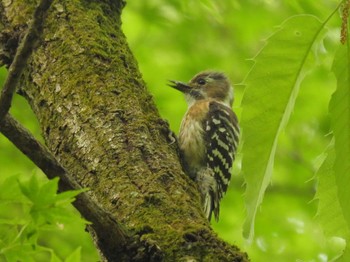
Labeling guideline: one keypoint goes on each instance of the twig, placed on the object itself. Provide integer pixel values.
(104, 225)
(35, 151)
(23, 52)
(344, 25)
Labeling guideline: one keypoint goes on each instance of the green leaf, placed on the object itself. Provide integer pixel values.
(329, 213)
(8, 236)
(48, 207)
(54, 257)
(29, 188)
(13, 221)
(346, 256)
(18, 253)
(69, 196)
(47, 192)
(75, 256)
(339, 109)
(9, 190)
(272, 87)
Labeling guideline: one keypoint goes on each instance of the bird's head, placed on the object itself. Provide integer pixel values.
(206, 85)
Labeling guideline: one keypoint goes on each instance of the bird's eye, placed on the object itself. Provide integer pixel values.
(201, 81)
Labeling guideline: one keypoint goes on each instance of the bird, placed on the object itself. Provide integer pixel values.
(208, 136)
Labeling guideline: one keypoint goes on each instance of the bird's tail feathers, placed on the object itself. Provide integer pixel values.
(209, 193)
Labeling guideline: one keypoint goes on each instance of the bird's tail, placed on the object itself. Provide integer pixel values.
(209, 193)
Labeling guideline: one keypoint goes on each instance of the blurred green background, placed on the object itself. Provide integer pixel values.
(175, 40)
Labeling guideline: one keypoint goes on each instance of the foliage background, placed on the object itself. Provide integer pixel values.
(174, 40)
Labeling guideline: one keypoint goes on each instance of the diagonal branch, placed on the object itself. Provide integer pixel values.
(104, 225)
(24, 51)
(101, 122)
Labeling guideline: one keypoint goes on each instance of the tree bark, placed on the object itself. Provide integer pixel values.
(102, 126)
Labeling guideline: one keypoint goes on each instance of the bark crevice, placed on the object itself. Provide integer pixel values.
(103, 130)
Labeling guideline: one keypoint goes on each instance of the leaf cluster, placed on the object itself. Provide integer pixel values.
(31, 209)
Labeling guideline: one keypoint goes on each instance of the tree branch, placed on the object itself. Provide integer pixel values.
(23, 52)
(110, 234)
(104, 225)
(103, 127)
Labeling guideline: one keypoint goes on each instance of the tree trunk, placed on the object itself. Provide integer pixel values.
(100, 122)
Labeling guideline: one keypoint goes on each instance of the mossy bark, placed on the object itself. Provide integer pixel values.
(101, 123)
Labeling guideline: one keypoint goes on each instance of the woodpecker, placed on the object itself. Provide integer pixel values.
(208, 136)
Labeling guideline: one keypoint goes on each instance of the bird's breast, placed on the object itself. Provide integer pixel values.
(191, 135)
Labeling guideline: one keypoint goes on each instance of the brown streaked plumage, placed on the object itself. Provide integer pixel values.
(208, 135)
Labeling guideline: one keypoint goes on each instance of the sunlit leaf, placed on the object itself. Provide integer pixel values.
(69, 196)
(54, 258)
(75, 256)
(30, 188)
(339, 109)
(47, 192)
(48, 207)
(329, 213)
(272, 87)
(18, 253)
(10, 191)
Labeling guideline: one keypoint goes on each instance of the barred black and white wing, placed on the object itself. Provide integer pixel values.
(221, 134)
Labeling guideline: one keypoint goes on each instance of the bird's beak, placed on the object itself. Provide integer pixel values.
(184, 88)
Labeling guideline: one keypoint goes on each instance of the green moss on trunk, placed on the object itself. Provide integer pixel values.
(99, 120)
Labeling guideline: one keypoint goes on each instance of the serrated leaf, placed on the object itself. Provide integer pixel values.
(8, 235)
(47, 192)
(69, 196)
(55, 258)
(13, 221)
(75, 256)
(30, 188)
(271, 90)
(9, 190)
(339, 109)
(45, 211)
(48, 207)
(18, 253)
(329, 212)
